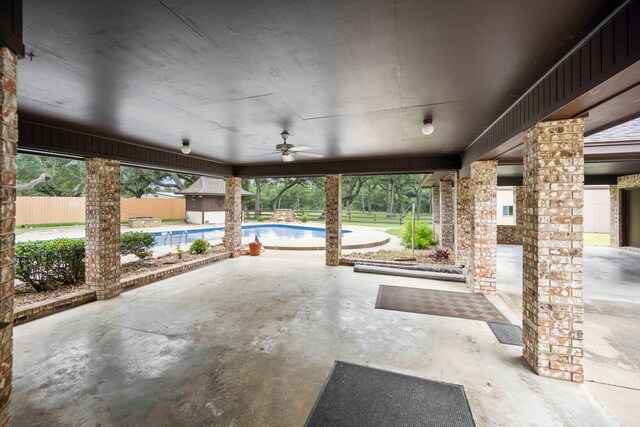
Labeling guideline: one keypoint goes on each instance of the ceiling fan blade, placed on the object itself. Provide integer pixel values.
(310, 154)
(301, 148)
(288, 157)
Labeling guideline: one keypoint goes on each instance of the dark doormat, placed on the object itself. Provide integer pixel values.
(356, 395)
(507, 334)
(438, 303)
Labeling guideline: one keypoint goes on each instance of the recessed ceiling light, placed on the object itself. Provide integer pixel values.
(427, 127)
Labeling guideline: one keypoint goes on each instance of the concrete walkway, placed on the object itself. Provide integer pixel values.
(612, 322)
(250, 341)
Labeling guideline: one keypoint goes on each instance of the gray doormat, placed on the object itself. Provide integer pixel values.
(438, 303)
(507, 334)
(356, 395)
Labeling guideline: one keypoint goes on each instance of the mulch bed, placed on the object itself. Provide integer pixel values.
(25, 294)
(423, 256)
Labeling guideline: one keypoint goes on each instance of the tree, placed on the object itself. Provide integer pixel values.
(289, 183)
(49, 176)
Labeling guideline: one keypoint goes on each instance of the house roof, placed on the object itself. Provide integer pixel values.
(205, 186)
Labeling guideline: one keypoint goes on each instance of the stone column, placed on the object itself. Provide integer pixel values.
(518, 201)
(233, 216)
(484, 228)
(552, 250)
(334, 221)
(435, 210)
(446, 214)
(615, 228)
(102, 229)
(8, 141)
(463, 222)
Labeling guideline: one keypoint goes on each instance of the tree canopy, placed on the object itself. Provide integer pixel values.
(53, 176)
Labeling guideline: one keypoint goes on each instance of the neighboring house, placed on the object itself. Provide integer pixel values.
(596, 208)
(162, 195)
(205, 201)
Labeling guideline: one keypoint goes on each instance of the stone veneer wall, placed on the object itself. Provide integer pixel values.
(8, 146)
(509, 235)
(552, 251)
(102, 242)
(233, 216)
(484, 232)
(435, 210)
(624, 183)
(518, 199)
(463, 222)
(447, 215)
(615, 228)
(334, 222)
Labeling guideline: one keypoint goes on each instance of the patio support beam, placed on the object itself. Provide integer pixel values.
(552, 273)
(233, 216)
(484, 228)
(463, 222)
(333, 219)
(8, 146)
(102, 229)
(446, 224)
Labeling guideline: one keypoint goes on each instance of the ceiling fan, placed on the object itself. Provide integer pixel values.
(290, 151)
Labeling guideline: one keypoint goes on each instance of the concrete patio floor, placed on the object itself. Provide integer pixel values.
(250, 341)
(612, 322)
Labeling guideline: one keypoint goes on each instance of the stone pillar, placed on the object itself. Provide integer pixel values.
(334, 221)
(463, 222)
(435, 210)
(552, 252)
(615, 228)
(518, 201)
(102, 229)
(446, 227)
(233, 216)
(8, 144)
(484, 229)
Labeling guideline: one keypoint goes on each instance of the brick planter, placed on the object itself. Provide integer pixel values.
(64, 302)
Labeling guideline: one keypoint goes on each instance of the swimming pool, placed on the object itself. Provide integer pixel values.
(272, 232)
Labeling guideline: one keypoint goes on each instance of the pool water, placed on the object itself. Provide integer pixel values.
(269, 232)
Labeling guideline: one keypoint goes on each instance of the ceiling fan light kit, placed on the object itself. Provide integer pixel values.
(290, 151)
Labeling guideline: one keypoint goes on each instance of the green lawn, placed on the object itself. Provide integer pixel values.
(597, 239)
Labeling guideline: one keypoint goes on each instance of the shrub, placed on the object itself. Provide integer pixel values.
(260, 219)
(441, 254)
(423, 235)
(199, 246)
(137, 243)
(47, 264)
(304, 218)
(179, 252)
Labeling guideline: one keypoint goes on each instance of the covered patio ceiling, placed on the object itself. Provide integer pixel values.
(352, 80)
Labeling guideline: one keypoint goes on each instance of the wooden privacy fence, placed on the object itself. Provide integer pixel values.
(57, 210)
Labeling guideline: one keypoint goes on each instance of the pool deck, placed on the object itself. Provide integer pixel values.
(359, 238)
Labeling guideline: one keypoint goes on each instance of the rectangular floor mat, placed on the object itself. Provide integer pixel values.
(507, 334)
(438, 303)
(356, 395)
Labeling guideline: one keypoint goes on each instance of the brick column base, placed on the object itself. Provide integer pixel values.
(233, 216)
(552, 249)
(102, 242)
(334, 221)
(484, 226)
(8, 144)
